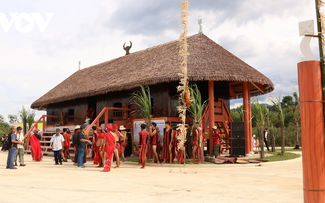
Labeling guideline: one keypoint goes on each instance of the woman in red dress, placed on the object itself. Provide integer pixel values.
(35, 146)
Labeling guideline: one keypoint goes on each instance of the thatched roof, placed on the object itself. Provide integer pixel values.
(159, 64)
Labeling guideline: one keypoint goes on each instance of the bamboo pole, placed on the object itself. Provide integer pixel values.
(318, 4)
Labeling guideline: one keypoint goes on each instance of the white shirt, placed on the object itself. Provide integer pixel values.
(57, 142)
(265, 136)
(20, 138)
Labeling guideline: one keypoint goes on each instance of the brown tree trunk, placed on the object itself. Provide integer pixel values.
(282, 139)
(297, 130)
(262, 142)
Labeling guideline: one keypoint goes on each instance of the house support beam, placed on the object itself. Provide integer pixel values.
(247, 113)
(211, 113)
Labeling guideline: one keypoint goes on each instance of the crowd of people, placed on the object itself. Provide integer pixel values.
(109, 144)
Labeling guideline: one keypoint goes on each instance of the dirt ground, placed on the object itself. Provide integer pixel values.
(249, 183)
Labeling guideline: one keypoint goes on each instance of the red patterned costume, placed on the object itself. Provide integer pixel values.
(166, 141)
(109, 148)
(96, 149)
(196, 140)
(143, 141)
(180, 152)
(35, 146)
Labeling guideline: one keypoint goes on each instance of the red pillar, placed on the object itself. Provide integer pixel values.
(312, 131)
(246, 102)
(211, 113)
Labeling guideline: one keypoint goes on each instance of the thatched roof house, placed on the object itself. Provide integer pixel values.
(159, 64)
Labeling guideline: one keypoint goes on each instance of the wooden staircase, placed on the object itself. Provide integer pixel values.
(222, 120)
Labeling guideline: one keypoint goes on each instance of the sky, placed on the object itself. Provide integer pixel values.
(42, 42)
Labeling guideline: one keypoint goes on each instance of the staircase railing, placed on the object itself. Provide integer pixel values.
(104, 112)
(35, 126)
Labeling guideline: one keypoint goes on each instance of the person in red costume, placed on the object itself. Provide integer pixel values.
(181, 155)
(109, 147)
(99, 150)
(117, 152)
(153, 142)
(197, 144)
(66, 145)
(143, 145)
(35, 146)
(167, 143)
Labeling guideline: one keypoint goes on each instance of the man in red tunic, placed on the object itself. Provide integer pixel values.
(216, 142)
(117, 152)
(109, 147)
(181, 155)
(123, 141)
(143, 141)
(153, 142)
(66, 145)
(197, 144)
(167, 140)
(99, 149)
(35, 146)
(94, 138)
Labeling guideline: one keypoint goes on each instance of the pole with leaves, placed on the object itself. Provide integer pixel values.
(185, 96)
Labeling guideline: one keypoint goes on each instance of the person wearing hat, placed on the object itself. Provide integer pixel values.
(82, 146)
(57, 141)
(12, 148)
(20, 147)
(75, 141)
(123, 141)
(216, 142)
(35, 146)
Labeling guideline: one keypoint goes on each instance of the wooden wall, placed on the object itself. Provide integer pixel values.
(164, 98)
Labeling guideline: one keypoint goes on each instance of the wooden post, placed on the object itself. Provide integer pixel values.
(106, 118)
(312, 130)
(211, 114)
(250, 130)
(246, 102)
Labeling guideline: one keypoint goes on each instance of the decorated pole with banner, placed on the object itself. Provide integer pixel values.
(185, 96)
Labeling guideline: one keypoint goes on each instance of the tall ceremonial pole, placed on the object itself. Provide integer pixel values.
(185, 97)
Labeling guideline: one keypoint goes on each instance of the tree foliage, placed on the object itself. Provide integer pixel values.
(197, 106)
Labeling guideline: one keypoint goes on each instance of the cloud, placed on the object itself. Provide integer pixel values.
(264, 34)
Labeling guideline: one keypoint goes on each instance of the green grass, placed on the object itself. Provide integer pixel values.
(291, 149)
(286, 156)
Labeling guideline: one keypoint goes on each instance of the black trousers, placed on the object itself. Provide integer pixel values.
(267, 145)
(58, 156)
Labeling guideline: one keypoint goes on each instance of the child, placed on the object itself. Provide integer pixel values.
(87, 120)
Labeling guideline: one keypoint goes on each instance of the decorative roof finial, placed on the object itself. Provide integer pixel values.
(200, 24)
(306, 29)
(127, 48)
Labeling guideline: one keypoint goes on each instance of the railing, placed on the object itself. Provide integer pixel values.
(104, 112)
(35, 126)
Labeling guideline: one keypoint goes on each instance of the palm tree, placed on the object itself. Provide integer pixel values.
(30, 118)
(259, 112)
(23, 115)
(197, 107)
(293, 106)
(142, 99)
(281, 115)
